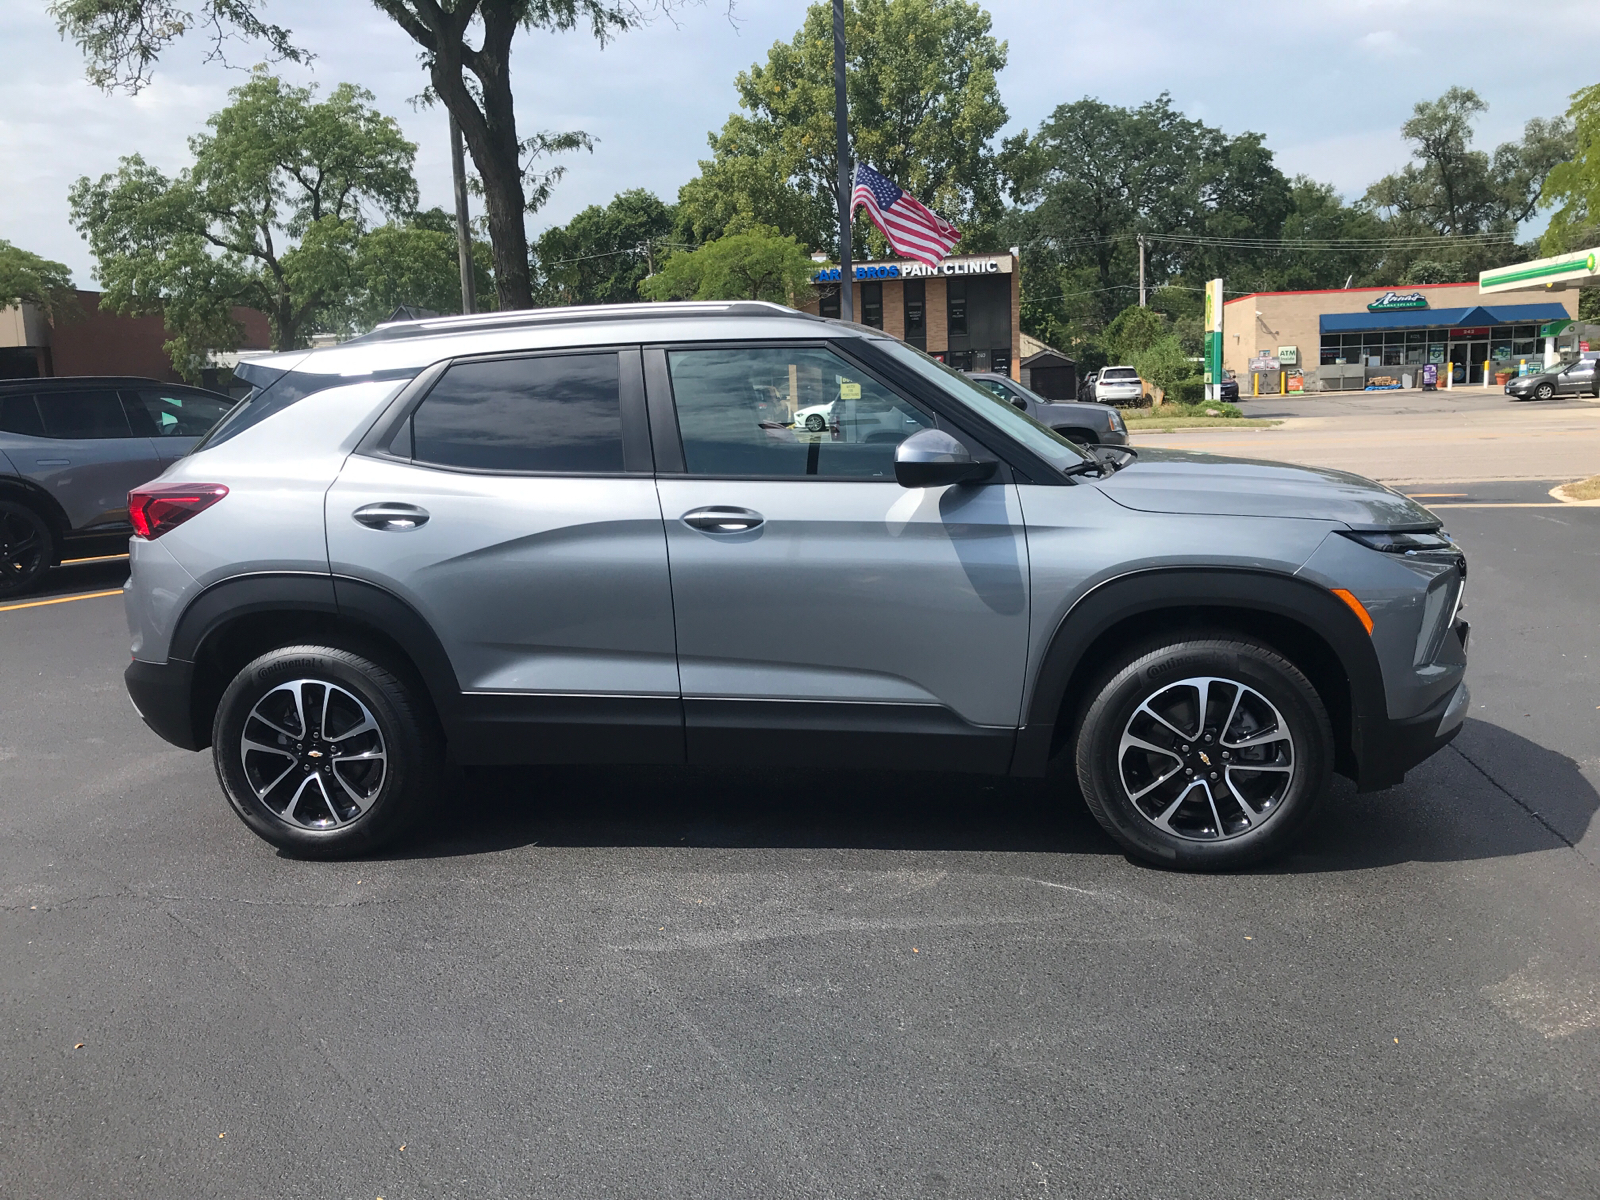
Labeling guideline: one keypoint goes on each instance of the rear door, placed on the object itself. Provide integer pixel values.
(826, 615)
(90, 458)
(513, 508)
(173, 417)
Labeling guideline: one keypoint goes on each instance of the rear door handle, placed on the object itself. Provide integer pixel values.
(396, 518)
(722, 519)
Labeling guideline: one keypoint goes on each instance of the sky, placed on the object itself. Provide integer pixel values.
(1327, 82)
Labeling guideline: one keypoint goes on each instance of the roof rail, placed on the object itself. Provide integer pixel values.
(524, 317)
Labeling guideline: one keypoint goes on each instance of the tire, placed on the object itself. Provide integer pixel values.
(1543, 392)
(391, 771)
(1175, 822)
(815, 423)
(27, 548)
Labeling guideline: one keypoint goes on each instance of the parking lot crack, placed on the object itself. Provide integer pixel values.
(1523, 805)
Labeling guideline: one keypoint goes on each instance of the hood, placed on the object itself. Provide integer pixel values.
(1181, 481)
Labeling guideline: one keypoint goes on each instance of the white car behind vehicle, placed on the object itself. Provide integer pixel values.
(1118, 385)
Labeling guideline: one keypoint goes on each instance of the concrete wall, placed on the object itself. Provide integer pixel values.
(1291, 318)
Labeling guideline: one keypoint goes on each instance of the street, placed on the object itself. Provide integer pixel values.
(653, 982)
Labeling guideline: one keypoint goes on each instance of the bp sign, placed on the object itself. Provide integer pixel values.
(1398, 302)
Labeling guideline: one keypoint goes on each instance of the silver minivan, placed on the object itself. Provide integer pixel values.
(590, 536)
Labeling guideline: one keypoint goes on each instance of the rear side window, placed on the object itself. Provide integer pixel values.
(556, 413)
(177, 412)
(83, 416)
(19, 414)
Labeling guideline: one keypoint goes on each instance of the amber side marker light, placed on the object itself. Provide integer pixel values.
(1356, 607)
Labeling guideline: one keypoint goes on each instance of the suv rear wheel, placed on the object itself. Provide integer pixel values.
(325, 753)
(27, 547)
(1204, 753)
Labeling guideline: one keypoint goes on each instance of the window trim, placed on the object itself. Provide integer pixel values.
(637, 457)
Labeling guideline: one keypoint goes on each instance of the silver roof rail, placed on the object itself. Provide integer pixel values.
(521, 318)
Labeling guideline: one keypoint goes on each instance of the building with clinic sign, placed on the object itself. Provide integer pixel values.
(966, 312)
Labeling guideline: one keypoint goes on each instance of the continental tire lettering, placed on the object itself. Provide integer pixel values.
(1181, 663)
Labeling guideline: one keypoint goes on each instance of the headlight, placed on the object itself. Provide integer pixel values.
(1117, 424)
(1392, 542)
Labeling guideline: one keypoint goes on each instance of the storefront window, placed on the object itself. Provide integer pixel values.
(916, 313)
(828, 302)
(956, 295)
(872, 305)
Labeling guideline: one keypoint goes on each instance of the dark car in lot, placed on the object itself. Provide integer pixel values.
(71, 449)
(1228, 389)
(1086, 424)
(1575, 379)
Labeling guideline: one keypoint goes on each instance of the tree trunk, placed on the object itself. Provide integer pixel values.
(491, 137)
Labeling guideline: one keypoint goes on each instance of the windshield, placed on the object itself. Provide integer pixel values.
(1046, 443)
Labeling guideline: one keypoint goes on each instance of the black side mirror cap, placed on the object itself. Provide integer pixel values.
(932, 458)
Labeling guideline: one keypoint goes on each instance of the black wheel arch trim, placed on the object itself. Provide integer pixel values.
(1188, 589)
(26, 491)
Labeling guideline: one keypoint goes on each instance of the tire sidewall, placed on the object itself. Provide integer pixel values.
(47, 556)
(1124, 688)
(407, 749)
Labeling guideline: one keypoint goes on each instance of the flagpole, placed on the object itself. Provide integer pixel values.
(841, 126)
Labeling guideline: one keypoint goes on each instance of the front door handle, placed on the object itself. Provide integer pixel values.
(722, 519)
(396, 518)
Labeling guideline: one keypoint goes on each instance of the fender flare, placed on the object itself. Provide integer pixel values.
(1283, 597)
(28, 492)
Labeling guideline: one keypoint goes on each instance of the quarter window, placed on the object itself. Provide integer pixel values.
(786, 413)
(559, 413)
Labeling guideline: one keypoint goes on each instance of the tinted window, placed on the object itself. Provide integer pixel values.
(561, 413)
(1119, 375)
(786, 413)
(177, 412)
(83, 415)
(18, 414)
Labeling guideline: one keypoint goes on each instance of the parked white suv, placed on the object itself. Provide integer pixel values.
(1118, 385)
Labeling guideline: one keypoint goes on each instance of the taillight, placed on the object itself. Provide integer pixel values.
(159, 507)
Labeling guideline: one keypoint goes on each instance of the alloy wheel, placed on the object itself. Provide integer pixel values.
(1206, 759)
(22, 549)
(313, 753)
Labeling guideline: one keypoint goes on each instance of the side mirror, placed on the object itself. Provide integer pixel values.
(1019, 402)
(932, 458)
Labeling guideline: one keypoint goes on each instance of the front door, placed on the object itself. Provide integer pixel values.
(825, 615)
(515, 512)
(88, 455)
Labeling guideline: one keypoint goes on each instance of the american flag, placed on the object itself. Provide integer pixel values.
(912, 229)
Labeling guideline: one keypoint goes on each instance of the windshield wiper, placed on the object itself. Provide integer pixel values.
(1102, 466)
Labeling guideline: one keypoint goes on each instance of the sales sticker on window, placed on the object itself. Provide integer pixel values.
(849, 391)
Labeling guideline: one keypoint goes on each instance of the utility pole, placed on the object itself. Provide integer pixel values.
(458, 170)
(841, 138)
(1141, 272)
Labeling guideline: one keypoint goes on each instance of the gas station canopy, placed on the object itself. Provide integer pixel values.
(1577, 269)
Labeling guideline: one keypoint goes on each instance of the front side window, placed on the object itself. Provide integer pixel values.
(177, 412)
(786, 413)
(558, 413)
(83, 416)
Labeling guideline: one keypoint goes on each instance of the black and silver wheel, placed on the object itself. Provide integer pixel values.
(323, 752)
(815, 423)
(1543, 392)
(1204, 753)
(27, 548)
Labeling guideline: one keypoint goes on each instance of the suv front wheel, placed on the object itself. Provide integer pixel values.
(325, 753)
(27, 548)
(1204, 753)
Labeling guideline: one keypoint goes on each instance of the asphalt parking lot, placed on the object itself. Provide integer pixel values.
(689, 984)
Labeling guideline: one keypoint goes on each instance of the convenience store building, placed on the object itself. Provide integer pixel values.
(1349, 335)
(966, 312)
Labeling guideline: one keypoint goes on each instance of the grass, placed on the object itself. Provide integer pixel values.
(1583, 489)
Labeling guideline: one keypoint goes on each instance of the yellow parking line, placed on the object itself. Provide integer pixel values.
(59, 600)
(95, 558)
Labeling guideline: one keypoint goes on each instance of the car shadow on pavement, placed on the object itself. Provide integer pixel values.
(1475, 799)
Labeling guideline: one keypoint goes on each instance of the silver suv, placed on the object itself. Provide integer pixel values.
(588, 535)
(70, 451)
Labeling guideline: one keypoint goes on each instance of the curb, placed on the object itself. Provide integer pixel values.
(1560, 493)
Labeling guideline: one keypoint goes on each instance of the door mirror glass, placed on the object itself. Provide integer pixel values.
(1019, 402)
(933, 458)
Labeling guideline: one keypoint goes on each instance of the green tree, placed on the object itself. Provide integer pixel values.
(600, 255)
(924, 110)
(414, 263)
(26, 278)
(757, 264)
(1575, 185)
(269, 216)
(1132, 332)
(466, 49)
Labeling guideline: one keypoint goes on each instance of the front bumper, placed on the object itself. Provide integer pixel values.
(1114, 437)
(1391, 748)
(163, 694)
